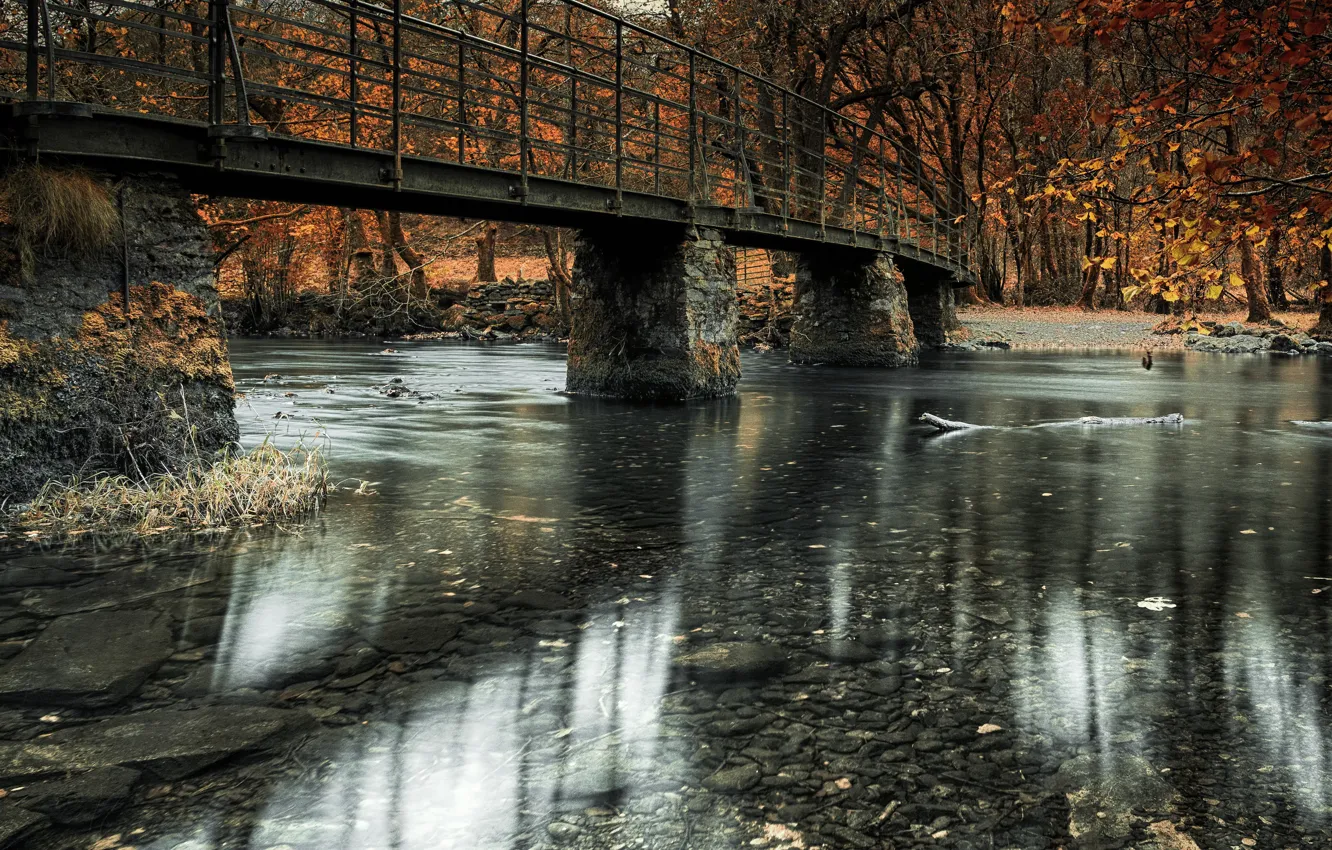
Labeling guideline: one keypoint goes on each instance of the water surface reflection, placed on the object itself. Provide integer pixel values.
(786, 619)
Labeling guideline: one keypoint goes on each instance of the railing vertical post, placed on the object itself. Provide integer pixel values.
(656, 146)
(786, 159)
(693, 129)
(741, 158)
(573, 125)
(523, 74)
(216, 62)
(354, 74)
(823, 174)
(619, 115)
(462, 98)
(34, 22)
(397, 94)
(883, 196)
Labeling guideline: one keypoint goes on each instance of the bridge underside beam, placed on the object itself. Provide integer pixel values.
(653, 314)
(851, 310)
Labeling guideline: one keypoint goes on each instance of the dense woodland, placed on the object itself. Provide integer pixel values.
(1167, 156)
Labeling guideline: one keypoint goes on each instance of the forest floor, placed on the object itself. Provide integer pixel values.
(1070, 327)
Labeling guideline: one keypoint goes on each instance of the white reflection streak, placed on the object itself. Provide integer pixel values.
(1289, 717)
(839, 601)
(1073, 701)
(263, 628)
(460, 768)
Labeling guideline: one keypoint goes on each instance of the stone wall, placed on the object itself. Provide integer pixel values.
(851, 310)
(653, 314)
(81, 389)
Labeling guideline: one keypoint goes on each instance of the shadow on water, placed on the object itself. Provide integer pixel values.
(783, 619)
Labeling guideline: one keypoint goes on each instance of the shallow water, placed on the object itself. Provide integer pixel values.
(1070, 637)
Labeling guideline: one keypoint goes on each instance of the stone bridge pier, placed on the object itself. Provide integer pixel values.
(931, 299)
(653, 313)
(851, 309)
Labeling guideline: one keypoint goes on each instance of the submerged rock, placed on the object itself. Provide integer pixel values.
(729, 662)
(417, 634)
(170, 744)
(1106, 793)
(16, 824)
(538, 600)
(734, 780)
(86, 798)
(88, 660)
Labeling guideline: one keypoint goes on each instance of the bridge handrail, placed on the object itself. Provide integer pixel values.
(764, 146)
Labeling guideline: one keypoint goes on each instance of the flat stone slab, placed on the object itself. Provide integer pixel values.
(538, 600)
(735, 661)
(414, 634)
(169, 744)
(114, 591)
(16, 824)
(88, 660)
(86, 798)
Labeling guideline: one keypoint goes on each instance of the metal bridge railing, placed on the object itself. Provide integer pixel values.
(549, 88)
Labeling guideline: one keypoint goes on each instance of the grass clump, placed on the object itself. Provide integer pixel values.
(265, 485)
(52, 210)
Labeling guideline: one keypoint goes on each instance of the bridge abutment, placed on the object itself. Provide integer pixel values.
(933, 306)
(653, 314)
(84, 387)
(851, 310)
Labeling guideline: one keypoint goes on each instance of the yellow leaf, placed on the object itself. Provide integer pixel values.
(1170, 295)
(1109, 262)
(1214, 292)
(1236, 280)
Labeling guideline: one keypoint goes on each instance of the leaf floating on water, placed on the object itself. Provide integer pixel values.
(1244, 615)
(817, 546)
(1156, 603)
(1248, 531)
(844, 783)
(563, 733)
(987, 728)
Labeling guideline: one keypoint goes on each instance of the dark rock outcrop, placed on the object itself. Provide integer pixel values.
(84, 386)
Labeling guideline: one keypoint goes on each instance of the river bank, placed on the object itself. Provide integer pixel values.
(1070, 328)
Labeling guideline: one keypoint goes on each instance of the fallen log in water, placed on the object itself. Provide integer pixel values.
(949, 425)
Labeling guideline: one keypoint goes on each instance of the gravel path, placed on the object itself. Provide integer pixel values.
(1070, 328)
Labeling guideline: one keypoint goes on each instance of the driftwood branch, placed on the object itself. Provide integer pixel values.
(948, 425)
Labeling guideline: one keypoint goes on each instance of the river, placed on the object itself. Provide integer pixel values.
(791, 618)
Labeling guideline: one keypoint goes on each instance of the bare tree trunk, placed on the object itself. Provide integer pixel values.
(1323, 330)
(420, 286)
(361, 260)
(1259, 309)
(1276, 284)
(557, 255)
(1091, 276)
(388, 263)
(485, 254)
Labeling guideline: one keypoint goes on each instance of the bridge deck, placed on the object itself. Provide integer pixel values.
(551, 112)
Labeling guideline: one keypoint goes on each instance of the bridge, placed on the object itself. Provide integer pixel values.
(550, 112)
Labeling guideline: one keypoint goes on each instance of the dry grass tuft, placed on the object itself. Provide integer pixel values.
(54, 211)
(262, 486)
